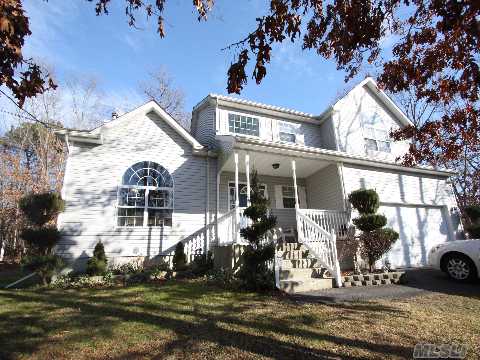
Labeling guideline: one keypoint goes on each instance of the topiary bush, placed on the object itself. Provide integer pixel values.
(370, 222)
(179, 257)
(375, 240)
(254, 273)
(41, 236)
(365, 201)
(43, 239)
(41, 208)
(97, 265)
(44, 265)
(376, 243)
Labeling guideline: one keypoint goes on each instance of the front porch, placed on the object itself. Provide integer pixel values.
(306, 195)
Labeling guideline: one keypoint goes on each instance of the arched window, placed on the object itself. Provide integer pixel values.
(145, 197)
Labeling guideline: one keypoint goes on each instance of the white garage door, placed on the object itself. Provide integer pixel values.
(420, 228)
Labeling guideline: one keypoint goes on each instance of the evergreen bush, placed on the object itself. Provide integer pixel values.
(41, 208)
(97, 265)
(179, 257)
(365, 201)
(375, 240)
(41, 236)
(473, 212)
(44, 265)
(370, 222)
(254, 273)
(43, 239)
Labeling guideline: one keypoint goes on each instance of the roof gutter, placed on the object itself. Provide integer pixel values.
(326, 154)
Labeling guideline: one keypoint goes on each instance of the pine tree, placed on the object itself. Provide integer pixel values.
(254, 273)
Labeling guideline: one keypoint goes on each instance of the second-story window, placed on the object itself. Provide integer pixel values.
(376, 139)
(287, 132)
(246, 125)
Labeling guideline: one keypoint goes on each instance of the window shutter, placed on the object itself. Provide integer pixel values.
(278, 197)
(302, 197)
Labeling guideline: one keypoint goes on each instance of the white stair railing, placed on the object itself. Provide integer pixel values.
(227, 228)
(330, 220)
(320, 243)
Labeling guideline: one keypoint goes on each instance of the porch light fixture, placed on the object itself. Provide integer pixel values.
(276, 166)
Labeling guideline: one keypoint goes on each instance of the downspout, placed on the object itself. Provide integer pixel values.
(207, 206)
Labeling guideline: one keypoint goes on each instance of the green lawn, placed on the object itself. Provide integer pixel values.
(191, 319)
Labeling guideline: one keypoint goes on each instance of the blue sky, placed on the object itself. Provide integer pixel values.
(69, 36)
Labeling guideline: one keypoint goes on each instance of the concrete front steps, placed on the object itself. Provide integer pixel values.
(298, 271)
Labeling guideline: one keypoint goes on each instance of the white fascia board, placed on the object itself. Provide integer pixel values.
(255, 107)
(387, 101)
(331, 155)
(80, 136)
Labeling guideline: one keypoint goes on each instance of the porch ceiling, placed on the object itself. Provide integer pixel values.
(262, 162)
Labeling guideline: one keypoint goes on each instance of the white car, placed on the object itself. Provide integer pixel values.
(459, 259)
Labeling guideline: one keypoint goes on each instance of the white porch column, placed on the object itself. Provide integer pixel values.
(294, 173)
(247, 171)
(237, 201)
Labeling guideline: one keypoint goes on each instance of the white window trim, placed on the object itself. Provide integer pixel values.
(377, 140)
(242, 183)
(145, 206)
(287, 132)
(246, 115)
(147, 189)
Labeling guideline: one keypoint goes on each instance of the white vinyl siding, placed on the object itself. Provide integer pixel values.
(325, 190)
(91, 206)
(360, 108)
(376, 139)
(308, 134)
(204, 130)
(242, 124)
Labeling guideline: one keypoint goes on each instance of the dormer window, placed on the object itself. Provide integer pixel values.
(376, 139)
(245, 125)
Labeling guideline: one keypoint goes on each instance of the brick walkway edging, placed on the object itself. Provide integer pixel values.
(394, 277)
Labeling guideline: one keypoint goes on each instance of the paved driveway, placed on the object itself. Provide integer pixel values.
(419, 282)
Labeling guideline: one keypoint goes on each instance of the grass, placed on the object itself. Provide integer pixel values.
(194, 320)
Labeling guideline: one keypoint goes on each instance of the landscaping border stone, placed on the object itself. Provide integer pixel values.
(394, 277)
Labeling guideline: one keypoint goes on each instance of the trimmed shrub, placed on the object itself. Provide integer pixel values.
(370, 222)
(473, 212)
(44, 265)
(474, 231)
(376, 243)
(41, 208)
(254, 273)
(179, 257)
(97, 265)
(43, 239)
(202, 264)
(365, 201)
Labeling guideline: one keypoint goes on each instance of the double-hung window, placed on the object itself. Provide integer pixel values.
(241, 124)
(145, 197)
(287, 132)
(242, 194)
(376, 139)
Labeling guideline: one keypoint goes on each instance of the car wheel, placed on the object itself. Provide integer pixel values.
(460, 268)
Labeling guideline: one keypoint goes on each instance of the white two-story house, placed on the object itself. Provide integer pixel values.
(141, 183)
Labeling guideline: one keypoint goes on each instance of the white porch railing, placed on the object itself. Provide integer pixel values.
(321, 244)
(333, 221)
(227, 228)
